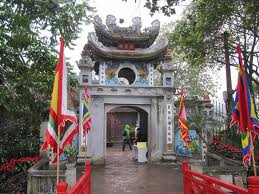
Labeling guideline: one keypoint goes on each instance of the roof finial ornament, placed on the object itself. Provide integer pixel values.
(111, 22)
(136, 24)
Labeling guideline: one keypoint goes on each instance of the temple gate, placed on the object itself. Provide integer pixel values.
(118, 64)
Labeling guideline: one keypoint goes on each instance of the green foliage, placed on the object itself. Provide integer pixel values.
(17, 141)
(197, 118)
(221, 150)
(199, 32)
(198, 36)
(14, 183)
(195, 147)
(28, 37)
(13, 174)
(167, 8)
(196, 81)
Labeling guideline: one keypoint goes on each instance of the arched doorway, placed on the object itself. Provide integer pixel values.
(119, 116)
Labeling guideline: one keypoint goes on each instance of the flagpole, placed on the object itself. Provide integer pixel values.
(58, 154)
(85, 148)
(186, 152)
(253, 156)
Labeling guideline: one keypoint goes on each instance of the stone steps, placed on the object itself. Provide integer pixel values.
(169, 157)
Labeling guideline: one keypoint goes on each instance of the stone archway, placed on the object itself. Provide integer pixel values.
(127, 114)
(97, 137)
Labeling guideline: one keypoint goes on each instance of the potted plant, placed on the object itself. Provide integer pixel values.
(71, 154)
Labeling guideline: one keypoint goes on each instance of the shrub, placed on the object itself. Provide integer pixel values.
(13, 174)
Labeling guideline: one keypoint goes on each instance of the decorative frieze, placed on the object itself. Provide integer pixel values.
(131, 91)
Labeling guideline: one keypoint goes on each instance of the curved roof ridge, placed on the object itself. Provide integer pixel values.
(152, 52)
(111, 33)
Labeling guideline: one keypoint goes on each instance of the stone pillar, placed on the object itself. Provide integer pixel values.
(97, 135)
(86, 66)
(207, 134)
(43, 128)
(70, 174)
(168, 81)
(204, 146)
(168, 72)
(155, 133)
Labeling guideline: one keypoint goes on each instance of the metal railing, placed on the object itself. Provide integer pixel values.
(197, 183)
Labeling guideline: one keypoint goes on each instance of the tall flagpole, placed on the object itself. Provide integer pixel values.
(85, 148)
(60, 96)
(252, 152)
(58, 154)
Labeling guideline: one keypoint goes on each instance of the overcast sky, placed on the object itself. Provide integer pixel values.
(126, 11)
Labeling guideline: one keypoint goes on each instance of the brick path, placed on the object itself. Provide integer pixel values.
(123, 175)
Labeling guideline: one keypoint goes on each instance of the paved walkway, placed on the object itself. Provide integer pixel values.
(123, 175)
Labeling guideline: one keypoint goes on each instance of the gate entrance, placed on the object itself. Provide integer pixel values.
(116, 120)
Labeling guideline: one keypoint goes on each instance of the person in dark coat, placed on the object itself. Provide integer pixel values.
(139, 135)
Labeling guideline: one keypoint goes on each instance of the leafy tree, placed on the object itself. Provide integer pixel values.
(196, 120)
(28, 37)
(196, 81)
(199, 37)
(166, 7)
(199, 34)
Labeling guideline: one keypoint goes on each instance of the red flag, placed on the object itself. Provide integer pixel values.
(243, 111)
(182, 121)
(240, 111)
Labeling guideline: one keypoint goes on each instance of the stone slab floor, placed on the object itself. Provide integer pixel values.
(122, 175)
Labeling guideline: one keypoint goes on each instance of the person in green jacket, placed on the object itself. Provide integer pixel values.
(126, 137)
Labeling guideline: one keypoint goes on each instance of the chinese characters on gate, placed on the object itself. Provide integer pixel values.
(169, 124)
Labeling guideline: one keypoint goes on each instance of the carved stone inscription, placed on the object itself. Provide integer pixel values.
(169, 124)
(102, 74)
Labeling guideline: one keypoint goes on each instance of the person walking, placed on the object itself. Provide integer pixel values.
(139, 135)
(126, 137)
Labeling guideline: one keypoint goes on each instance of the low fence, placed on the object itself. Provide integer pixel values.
(82, 186)
(197, 183)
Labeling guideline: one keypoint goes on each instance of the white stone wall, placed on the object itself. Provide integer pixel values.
(101, 104)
